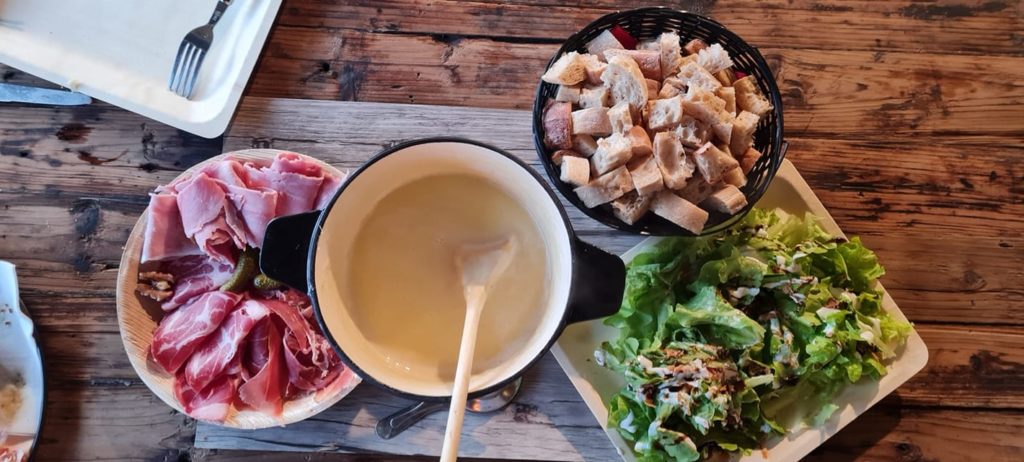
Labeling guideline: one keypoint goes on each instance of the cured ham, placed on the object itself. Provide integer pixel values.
(194, 276)
(165, 238)
(182, 331)
(212, 403)
(219, 349)
(265, 390)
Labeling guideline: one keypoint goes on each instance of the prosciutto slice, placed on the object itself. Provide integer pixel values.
(182, 331)
(265, 390)
(194, 276)
(220, 349)
(212, 403)
(164, 237)
(256, 208)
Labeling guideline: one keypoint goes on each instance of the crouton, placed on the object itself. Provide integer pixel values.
(670, 52)
(575, 170)
(594, 97)
(663, 114)
(694, 46)
(674, 164)
(750, 157)
(567, 70)
(646, 175)
(690, 133)
(612, 152)
(626, 82)
(696, 190)
(605, 188)
(735, 177)
(691, 74)
(631, 207)
(594, 67)
(749, 97)
(619, 116)
(584, 144)
(728, 94)
(710, 109)
(726, 199)
(640, 141)
(558, 155)
(603, 42)
(590, 121)
(671, 87)
(568, 93)
(648, 61)
(558, 125)
(679, 211)
(743, 127)
(713, 162)
(714, 58)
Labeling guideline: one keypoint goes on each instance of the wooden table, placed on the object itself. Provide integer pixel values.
(906, 118)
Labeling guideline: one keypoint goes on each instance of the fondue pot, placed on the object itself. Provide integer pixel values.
(310, 252)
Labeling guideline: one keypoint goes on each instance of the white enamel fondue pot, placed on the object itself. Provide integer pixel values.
(310, 253)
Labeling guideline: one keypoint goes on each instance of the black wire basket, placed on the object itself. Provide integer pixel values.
(649, 23)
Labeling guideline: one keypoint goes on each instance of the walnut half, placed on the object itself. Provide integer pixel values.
(156, 285)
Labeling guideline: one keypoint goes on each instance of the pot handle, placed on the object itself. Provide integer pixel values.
(598, 281)
(286, 249)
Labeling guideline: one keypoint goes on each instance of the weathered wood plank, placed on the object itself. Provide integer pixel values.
(977, 26)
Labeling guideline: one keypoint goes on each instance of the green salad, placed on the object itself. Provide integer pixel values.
(729, 339)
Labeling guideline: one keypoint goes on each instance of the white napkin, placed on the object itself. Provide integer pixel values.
(20, 361)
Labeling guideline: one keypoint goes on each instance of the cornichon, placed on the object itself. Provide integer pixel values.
(248, 266)
(264, 282)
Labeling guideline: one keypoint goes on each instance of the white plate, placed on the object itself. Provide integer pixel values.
(20, 363)
(122, 52)
(575, 348)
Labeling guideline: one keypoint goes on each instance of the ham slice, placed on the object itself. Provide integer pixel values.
(264, 392)
(301, 190)
(220, 349)
(327, 189)
(257, 351)
(200, 200)
(212, 403)
(182, 331)
(164, 236)
(194, 276)
(295, 163)
(256, 208)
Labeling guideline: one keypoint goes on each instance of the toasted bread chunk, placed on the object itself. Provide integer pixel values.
(631, 207)
(743, 127)
(646, 175)
(674, 164)
(591, 97)
(620, 118)
(652, 87)
(584, 144)
(575, 170)
(725, 77)
(663, 114)
(691, 74)
(558, 155)
(670, 52)
(590, 121)
(714, 58)
(648, 61)
(594, 67)
(567, 70)
(568, 93)
(694, 46)
(696, 190)
(605, 188)
(679, 211)
(603, 42)
(705, 106)
(726, 199)
(612, 152)
(626, 82)
(671, 87)
(735, 177)
(750, 157)
(640, 141)
(728, 94)
(713, 162)
(691, 133)
(749, 97)
(558, 125)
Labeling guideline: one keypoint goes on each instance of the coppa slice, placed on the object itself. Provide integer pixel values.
(181, 332)
(219, 349)
(194, 276)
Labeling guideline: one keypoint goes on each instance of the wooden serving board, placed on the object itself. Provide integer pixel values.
(548, 421)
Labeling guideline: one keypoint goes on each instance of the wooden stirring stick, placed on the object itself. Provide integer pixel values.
(480, 265)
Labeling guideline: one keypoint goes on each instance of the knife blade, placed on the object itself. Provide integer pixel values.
(10, 93)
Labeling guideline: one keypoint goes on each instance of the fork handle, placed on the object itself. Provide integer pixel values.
(222, 5)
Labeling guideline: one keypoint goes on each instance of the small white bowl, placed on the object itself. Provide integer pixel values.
(138, 317)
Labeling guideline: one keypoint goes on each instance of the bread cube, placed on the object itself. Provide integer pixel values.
(713, 162)
(640, 141)
(649, 45)
(567, 70)
(626, 82)
(648, 61)
(735, 177)
(710, 109)
(612, 152)
(694, 46)
(691, 74)
(584, 144)
(591, 97)
(696, 190)
(674, 164)
(670, 52)
(714, 58)
(575, 170)
(568, 93)
(605, 188)
(725, 77)
(594, 67)
(557, 156)
(663, 114)
(557, 123)
(726, 199)
(652, 87)
(671, 87)
(749, 97)
(679, 211)
(603, 42)
(646, 175)
(631, 207)
(750, 157)
(619, 116)
(590, 121)
(728, 94)
(743, 127)
(691, 134)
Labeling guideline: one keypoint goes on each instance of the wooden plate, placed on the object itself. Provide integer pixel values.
(137, 318)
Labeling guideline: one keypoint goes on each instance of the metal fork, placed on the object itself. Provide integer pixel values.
(192, 52)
